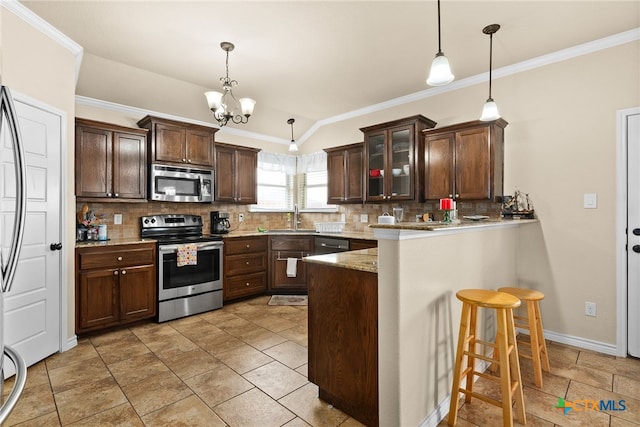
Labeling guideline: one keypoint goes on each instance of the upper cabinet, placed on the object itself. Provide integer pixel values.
(391, 159)
(111, 162)
(344, 170)
(465, 161)
(179, 143)
(236, 174)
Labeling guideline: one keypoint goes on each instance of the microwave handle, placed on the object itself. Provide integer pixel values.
(201, 187)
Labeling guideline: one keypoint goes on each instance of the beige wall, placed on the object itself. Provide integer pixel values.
(34, 65)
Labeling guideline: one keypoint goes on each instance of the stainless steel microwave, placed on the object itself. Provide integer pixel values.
(180, 184)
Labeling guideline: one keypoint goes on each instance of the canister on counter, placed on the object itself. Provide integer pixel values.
(102, 232)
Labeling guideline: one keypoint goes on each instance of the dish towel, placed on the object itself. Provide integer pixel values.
(292, 266)
(187, 254)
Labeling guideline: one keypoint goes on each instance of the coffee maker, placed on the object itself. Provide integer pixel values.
(219, 222)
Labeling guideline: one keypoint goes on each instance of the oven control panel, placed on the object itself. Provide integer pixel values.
(170, 220)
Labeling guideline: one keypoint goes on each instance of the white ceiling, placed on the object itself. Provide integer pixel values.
(312, 60)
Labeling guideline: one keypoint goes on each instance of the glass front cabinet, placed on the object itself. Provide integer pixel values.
(391, 159)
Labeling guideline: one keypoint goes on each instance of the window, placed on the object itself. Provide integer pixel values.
(275, 189)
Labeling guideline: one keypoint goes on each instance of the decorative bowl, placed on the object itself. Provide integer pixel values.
(396, 171)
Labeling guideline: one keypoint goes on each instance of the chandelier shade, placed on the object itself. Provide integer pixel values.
(224, 105)
(440, 73)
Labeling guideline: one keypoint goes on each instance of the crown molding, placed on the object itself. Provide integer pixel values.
(47, 29)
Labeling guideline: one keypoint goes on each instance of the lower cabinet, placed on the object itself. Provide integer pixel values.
(357, 244)
(281, 250)
(115, 285)
(245, 267)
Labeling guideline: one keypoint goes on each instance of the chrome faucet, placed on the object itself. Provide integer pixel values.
(296, 216)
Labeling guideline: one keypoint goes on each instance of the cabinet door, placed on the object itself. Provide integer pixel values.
(354, 170)
(376, 161)
(473, 164)
(98, 299)
(246, 176)
(280, 281)
(93, 162)
(199, 147)
(137, 293)
(439, 166)
(170, 143)
(399, 172)
(336, 174)
(245, 285)
(129, 166)
(225, 171)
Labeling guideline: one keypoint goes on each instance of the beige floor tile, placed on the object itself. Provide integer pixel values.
(261, 338)
(551, 383)
(113, 337)
(619, 422)
(189, 412)
(303, 370)
(36, 375)
(218, 385)
(121, 416)
(275, 379)
(217, 317)
(236, 326)
(253, 408)
(484, 414)
(628, 366)
(560, 352)
(296, 422)
(305, 403)
(112, 353)
(156, 392)
(289, 353)
(196, 329)
(244, 359)
(219, 343)
(630, 412)
(350, 422)
(546, 407)
(626, 386)
(274, 323)
(584, 374)
(78, 373)
(34, 402)
(191, 363)
(297, 334)
(137, 368)
(49, 420)
(88, 400)
(83, 351)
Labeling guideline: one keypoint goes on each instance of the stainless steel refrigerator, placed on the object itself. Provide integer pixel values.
(10, 132)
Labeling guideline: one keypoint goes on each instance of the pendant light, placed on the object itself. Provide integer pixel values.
(440, 73)
(490, 109)
(292, 145)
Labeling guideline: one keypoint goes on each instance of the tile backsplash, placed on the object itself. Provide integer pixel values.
(131, 213)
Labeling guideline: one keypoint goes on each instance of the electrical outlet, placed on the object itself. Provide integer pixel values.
(590, 309)
(117, 219)
(240, 217)
(364, 218)
(343, 218)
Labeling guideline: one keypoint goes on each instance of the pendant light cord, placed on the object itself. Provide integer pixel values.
(490, 60)
(439, 37)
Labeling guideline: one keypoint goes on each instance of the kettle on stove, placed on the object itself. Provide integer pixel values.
(220, 222)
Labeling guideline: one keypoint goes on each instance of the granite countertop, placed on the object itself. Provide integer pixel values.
(464, 224)
(343, 235)
(362, 260)
(112, 242)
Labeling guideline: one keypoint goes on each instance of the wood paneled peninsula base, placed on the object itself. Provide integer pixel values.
(343, 331)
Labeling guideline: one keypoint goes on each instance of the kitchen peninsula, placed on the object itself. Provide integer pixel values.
(402, 304)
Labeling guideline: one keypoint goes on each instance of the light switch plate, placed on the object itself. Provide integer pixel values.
(364, 218)
(343, 218)
(117, 219)
(590, 201)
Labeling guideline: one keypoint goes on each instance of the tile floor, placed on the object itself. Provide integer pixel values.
(246, 364)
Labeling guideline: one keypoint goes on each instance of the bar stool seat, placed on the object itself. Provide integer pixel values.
(505, 345)
(533, 323)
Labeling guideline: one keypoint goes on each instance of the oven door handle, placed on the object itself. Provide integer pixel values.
(199, 246)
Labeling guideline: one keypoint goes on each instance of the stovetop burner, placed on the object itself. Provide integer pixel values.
(174, 228)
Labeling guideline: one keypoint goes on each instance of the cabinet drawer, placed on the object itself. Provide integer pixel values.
(243, 245)
(246, 284)
(291, 243)
(245, 263)
(114, 258)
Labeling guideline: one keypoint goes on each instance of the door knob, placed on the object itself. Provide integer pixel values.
(636, 231)
(636, 248)
(55, 246)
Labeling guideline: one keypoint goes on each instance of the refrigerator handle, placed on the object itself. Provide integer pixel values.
(7, 109)
(18, 386)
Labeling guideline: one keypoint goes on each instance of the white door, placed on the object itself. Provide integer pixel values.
(633, 233)
(32, 307)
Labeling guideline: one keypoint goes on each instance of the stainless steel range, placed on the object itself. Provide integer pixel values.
(189, 265)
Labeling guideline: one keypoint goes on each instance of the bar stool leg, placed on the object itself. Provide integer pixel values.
(502, 342)
(457, 371)
(534, 336)
(515, 370)
(471, 361)
(544, 356)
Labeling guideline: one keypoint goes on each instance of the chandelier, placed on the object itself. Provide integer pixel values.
(225, 106)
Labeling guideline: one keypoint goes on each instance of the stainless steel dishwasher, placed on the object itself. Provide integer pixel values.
(330, 245)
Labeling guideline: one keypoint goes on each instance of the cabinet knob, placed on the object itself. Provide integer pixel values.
(457, 195)
(124, 272)
(188, 160)
(116, 195)
(119, 258)
(184, 160)
(108, 194)
(247, 284)
(248, 246)
(247, 262)
(115, 273)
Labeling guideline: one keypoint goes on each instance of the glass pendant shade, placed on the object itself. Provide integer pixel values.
(440, 73)
(490, 111)
(214, 99)
(293, 146)
(247, 104)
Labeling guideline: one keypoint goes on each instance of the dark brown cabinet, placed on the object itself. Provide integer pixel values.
(357, 244)
(173, 142)
(245, 266)
(281, 249)
(110, 163)
(344, 171)
(115, 285)
(236, 174)
(391, 166)
(465, 161)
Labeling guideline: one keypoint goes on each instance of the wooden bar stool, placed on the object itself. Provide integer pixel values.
(533, 323)
(509, 379)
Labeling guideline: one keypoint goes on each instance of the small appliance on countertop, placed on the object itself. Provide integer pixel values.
(220, 222)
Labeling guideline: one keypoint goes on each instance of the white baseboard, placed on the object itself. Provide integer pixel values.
(442, 410)
(71, 342)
